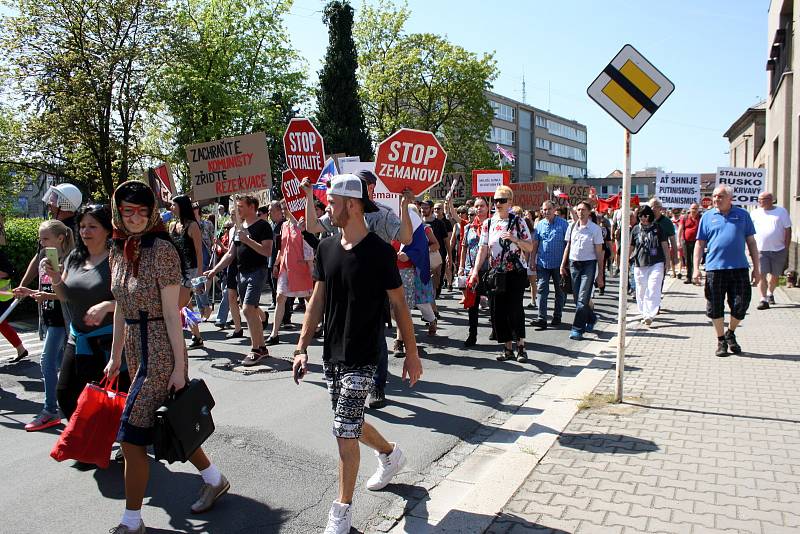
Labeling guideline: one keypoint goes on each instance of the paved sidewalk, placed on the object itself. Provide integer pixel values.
(702, 444)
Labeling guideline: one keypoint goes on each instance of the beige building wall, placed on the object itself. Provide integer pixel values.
(780, 152)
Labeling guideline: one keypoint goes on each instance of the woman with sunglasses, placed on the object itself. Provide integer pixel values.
(649, 251)
(84, 289)
(146, 278)
(506, 241)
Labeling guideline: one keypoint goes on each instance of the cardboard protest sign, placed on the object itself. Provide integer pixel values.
(747, 184)
(294, 196)
(304, 149)
(571, 194)
(229, 166)
(530, 195)
(381, 194)
(484, 182)
(677, 190)
(410, 159)
(451, 181)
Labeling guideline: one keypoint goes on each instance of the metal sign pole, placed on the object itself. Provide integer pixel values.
(624, 254)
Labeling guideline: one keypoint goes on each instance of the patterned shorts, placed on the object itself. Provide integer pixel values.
(732, 285)
(349, 388)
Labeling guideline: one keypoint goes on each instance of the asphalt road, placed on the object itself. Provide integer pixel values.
(273, 438)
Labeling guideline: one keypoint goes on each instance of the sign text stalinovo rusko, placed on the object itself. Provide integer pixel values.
(747, 184)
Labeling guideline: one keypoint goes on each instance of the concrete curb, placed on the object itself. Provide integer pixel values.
(470, 497)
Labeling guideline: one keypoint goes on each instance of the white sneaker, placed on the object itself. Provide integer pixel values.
(339, 519)
(388, 466)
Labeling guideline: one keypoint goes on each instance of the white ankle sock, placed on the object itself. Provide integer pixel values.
(211, 475)
(132, 518)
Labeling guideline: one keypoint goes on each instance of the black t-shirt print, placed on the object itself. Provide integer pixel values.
(248, 259)
(356, 282)
(647, 245)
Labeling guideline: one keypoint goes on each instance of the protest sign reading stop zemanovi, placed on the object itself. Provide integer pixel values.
(229, 166)
(677, 190)
(747, 184)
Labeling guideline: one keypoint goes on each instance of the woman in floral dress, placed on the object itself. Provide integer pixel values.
(146, 277)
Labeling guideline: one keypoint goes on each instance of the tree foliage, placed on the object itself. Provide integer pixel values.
(232, 71)
(81, 71)
(423, 81)
(340, 116)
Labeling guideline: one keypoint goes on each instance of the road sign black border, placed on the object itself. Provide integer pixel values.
(604, 72)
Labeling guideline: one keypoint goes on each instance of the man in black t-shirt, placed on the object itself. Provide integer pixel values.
(356, 272)
(442, 233)
(252, 246)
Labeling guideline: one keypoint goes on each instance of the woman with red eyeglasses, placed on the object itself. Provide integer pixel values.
(146, 278)
(506, 241)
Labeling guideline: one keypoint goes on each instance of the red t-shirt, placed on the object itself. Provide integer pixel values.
(690, 227)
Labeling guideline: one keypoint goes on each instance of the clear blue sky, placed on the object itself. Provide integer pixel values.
(714, 51)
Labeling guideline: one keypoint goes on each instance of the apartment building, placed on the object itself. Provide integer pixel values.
(779, 151)
(543, 143)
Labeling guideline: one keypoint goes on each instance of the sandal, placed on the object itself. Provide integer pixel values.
(19, 357)
(432, 328)
(522, 355)
(508, 354)
(255, 356)
(399, 350)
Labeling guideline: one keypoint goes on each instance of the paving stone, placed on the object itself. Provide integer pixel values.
(734, 469)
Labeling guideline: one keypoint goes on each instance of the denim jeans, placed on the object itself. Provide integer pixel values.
(382, 372)
(543, 290)
(52, 352)
(583, 273)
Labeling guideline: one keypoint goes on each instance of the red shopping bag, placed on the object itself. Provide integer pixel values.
(93, 427)
(470, 294)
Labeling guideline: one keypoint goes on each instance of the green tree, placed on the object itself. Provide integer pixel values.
(423, 81)
(340, 116)
(231, 72)
(80, 72)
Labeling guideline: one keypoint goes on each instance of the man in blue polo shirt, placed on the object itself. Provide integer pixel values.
(548, 250)
(726, 230)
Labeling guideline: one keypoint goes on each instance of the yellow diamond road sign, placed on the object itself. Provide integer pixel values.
(630, 88)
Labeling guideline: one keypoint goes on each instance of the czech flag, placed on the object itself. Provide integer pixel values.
(417, 250)
(324, 180)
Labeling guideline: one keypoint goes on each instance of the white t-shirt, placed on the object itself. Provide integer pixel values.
(582, 240)
(770, 227)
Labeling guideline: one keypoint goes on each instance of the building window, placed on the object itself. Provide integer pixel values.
(607, 190)
(639, 189)
(567, 132)
(542, 143)
(557, 169)
(502, 111)
(501, 136)
(566, 151)
(524, 119)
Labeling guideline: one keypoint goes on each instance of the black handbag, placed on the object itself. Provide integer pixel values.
(183, 423)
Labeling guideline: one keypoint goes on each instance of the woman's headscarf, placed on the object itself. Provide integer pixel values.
(133, 242)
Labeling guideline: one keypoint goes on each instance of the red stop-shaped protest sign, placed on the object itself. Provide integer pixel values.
(410, 159)
(706, 202)
(294, 196)
(304, 149)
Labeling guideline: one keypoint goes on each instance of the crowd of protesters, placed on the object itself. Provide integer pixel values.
(116, 297)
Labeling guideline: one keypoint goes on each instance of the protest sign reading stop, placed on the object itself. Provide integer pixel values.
(706, 202)
(410, 159)
(304, 149)
(294, 196)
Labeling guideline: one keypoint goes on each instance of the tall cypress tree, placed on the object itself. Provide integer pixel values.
(340, 116)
